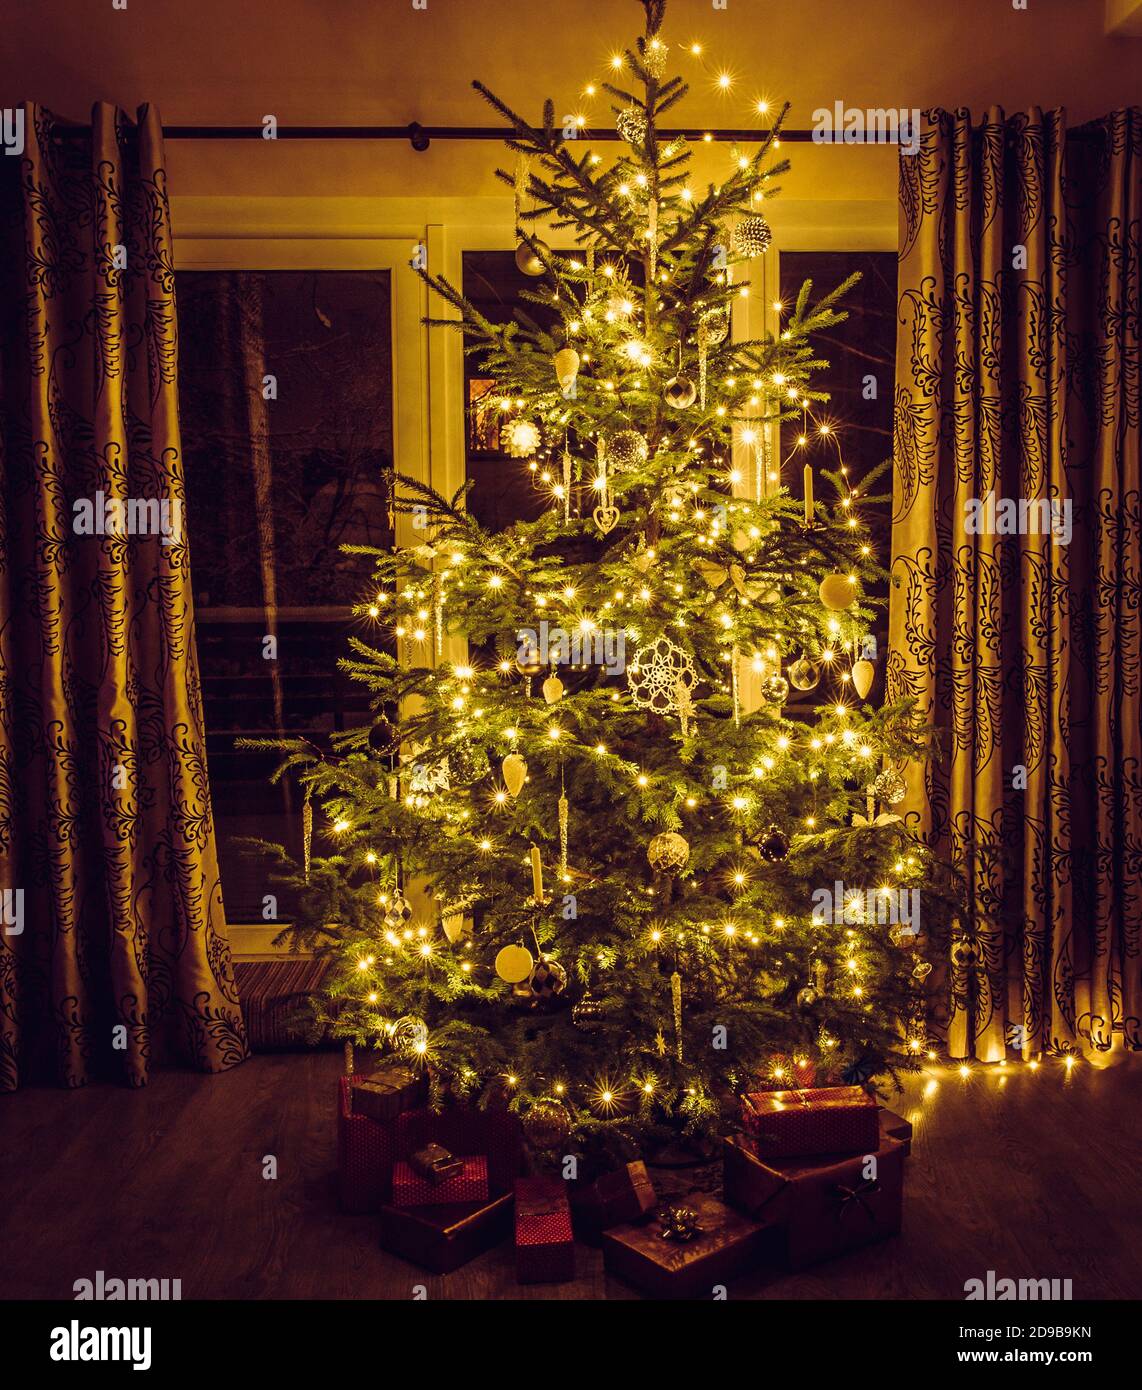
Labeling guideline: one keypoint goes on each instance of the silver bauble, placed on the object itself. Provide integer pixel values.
(527, 261)
(752, 236)
(626, 449)
(631, 125)
(889, 787)
(803, 675)
(679, 392)
(775, 689)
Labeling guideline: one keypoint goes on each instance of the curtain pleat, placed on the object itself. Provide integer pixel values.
(1017, 378)
(105, 821)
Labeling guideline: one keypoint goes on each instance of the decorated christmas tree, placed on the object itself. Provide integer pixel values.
(580, 861)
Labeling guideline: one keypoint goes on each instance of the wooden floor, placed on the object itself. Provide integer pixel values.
(1031, 1174)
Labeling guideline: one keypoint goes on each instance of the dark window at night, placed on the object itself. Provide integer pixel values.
(285, 383)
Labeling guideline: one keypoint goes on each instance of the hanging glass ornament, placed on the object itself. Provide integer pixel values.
(752, 236)
(589, 1014)
(676, 1007)
(716, 322)
(566, 483)
(306, 834)
(807, 997)
(653, 676)
(547, 1125)
(773, 844)
(523, 439)
(552, 689)
(775, 689)
(398, 911)
(631, 125)
(528, 261)
(668, 853)
(627, 449)
(679, 393)
(889, 787)
(654, 58)
(564, 822)
(803, 675)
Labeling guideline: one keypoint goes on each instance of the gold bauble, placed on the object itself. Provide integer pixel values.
(514, 964)
(837, 591)
(668, 852)
(526, 259)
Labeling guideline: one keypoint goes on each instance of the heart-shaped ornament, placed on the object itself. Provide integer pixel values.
(606, 519)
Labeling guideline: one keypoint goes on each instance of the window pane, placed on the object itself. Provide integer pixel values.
(285, 383)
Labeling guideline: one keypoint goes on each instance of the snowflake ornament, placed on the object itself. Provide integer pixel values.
(659, 675)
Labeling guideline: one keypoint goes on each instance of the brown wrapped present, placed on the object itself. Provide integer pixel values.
(436, 1163)
(384, 1094)
(823, 1120)
(627, 1194)
(825, 1206)
(442, 1238)
(725, 1244)
(897, 1127)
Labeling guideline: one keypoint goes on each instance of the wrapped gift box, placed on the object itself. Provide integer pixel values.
(896, 1127)
(824, 1206)
(366, 1151)
(464, 1130)
(383, 1094)
(413, 1189)
(728, 1244)
(441, 1238)
(544, 1244)
(827, 1120)
(624, 1195)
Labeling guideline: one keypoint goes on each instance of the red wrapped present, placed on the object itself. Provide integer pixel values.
(383, 1094)
(823, 1206)
(413, 1189)
(544, 1244)
(464, 1130)
(624, 1195)
(827, 1120)
(366, 1151)
(444, 1237)
(725, 1245)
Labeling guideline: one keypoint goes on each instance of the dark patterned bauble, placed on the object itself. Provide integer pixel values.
(468, 761)
(889, 787)
(803, 675)
(679, 392)
(547, 1125)
(526, 259)
(773, 844)
(775, 689)
(752, 236)
(807, 997)
(627, 449)
(631, 125)
(548, 978)
(523, 998)
(588, 1014)
(398, 910)
(859, 1071)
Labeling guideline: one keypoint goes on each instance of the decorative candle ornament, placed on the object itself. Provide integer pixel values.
(566, 362)
(514, 964)
(807, 474)
(837, 591)
(863, 673)
(514, 770)
(536, 874)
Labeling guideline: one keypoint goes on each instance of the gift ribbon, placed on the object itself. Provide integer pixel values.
(850, 1196)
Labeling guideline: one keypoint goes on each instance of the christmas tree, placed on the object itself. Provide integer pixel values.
(590, 868)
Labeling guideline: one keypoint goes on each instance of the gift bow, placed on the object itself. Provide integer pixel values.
(885, 818)
(850, 1196)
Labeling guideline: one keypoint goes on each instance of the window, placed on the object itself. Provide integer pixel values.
(285, 383)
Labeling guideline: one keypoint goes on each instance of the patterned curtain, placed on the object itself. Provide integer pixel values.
(1017, 556)
(112, 945)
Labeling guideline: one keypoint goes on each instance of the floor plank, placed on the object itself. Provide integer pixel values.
(1031, 1174)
